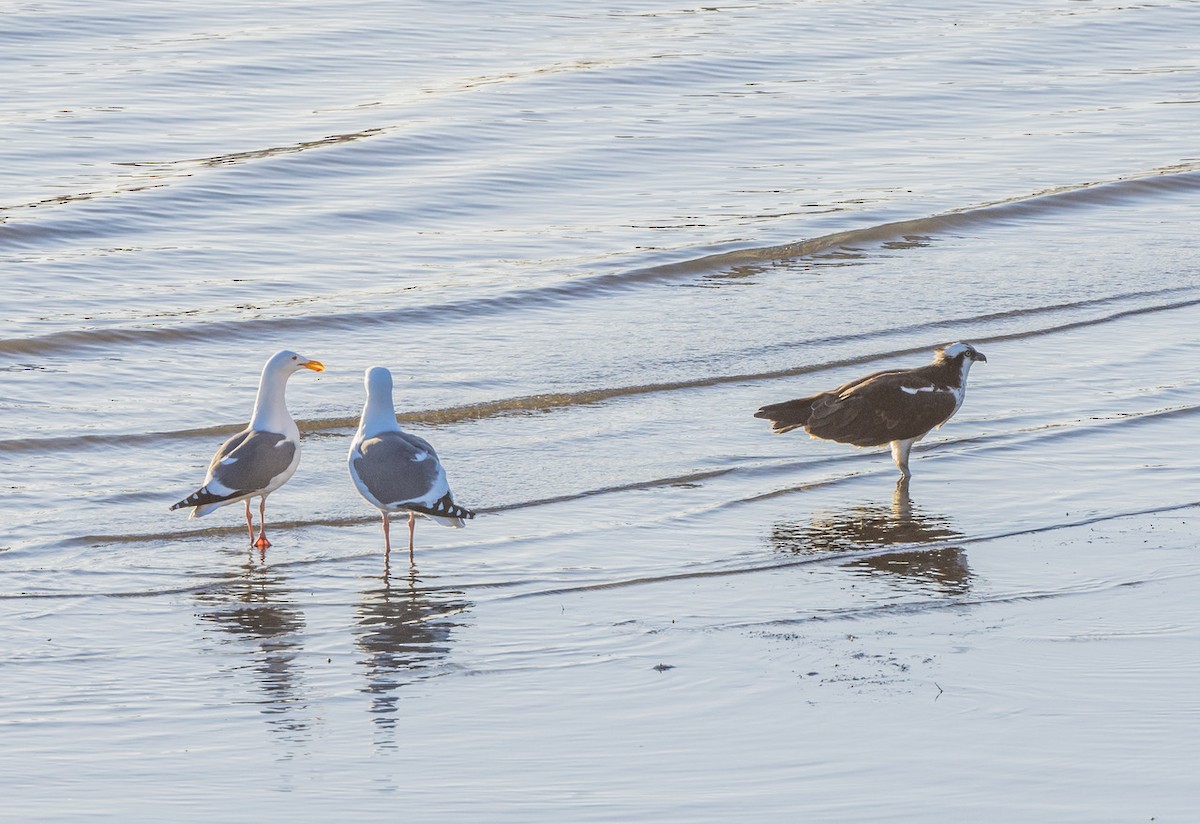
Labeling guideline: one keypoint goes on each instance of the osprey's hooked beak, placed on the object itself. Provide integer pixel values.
(979, 356)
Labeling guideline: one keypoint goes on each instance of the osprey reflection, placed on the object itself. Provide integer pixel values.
(902, 525)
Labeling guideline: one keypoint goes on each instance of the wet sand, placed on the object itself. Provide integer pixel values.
(867, 663)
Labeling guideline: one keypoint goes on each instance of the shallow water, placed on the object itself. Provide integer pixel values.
(590, 242)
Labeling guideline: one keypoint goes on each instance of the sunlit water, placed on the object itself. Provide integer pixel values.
(590, 241)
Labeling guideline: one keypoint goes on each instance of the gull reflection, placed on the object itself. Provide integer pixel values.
(872, 527)
(256, 610)
(404, 631)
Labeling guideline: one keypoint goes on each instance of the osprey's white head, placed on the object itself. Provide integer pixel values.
(959, 357)
(960, 350)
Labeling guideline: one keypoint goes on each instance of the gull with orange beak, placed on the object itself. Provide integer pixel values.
(262, 457)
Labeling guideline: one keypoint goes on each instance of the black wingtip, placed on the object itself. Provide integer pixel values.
(445, 507)
(190, 500)
(199, 498)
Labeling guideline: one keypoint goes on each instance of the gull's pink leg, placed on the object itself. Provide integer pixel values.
(249, 521)
(262, 542)
(387, 538)
(412, 525)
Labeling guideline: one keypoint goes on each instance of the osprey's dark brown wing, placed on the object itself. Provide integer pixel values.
(789, 415)
(887, 406)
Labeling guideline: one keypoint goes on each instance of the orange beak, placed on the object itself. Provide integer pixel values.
(315, 365)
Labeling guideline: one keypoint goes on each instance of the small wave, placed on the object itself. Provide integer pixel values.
(1038, 205)
(154, 174)
(543, 402)
(256, 154)
(528, 404)
(161, 173)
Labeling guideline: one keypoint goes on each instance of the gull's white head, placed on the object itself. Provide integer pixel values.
(965, 351)
(288, 362)
(378, 381)
(270, 411)
(379, 414)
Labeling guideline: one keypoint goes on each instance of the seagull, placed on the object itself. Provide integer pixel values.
(396, 471)
(896, 406)
(259, 459)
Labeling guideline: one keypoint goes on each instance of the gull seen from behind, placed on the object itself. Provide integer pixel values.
(396, 471)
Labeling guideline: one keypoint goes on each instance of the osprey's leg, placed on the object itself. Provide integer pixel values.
(412, 526)
(900, 450)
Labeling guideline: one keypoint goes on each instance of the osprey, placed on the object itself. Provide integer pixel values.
(896, 406)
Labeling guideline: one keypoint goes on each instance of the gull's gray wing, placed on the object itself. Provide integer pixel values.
(250, 460)
(397, 468)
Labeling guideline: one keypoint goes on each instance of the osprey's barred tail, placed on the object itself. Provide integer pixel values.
(201, 497)
(445, 507)
(789, 415)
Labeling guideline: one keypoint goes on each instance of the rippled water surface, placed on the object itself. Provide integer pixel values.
(589, 241)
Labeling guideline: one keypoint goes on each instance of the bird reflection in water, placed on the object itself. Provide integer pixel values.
(256, 609)
(403, 629)
(872, 527)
